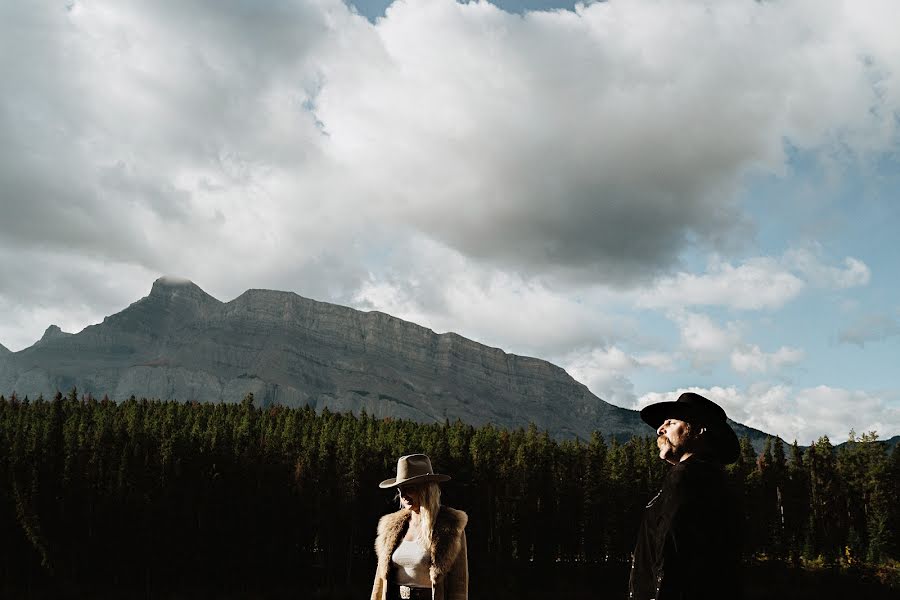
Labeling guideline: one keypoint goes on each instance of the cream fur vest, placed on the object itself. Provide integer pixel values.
(449, 564)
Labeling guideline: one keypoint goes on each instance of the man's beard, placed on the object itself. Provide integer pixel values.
(674, 451)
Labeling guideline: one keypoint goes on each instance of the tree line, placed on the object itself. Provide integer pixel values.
(168, 495)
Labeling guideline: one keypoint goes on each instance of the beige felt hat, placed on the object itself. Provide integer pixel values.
(413, 468)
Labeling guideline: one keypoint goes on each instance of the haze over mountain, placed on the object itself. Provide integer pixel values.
(181, 343)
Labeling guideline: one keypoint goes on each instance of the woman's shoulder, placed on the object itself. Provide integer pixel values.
(392, 521)
(452, 518)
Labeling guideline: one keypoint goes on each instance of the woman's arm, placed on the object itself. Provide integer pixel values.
(457, 581)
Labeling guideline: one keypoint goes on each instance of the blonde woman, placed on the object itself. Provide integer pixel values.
(421, 548)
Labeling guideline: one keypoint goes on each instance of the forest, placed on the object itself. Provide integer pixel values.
(164, 499)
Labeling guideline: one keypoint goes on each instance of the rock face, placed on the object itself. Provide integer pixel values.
(181, 343)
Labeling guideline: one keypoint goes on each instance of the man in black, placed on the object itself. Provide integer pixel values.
(688, 547)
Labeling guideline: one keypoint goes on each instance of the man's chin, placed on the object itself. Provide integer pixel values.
(668, 454)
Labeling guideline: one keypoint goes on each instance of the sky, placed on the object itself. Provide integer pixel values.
(656, 196)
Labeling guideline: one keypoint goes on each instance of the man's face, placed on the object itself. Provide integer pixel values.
(674, 438)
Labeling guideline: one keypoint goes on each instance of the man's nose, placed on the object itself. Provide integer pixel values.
(660, 429)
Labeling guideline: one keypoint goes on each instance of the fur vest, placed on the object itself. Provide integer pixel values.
(449, 569)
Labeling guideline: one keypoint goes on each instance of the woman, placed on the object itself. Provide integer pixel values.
(421, 548)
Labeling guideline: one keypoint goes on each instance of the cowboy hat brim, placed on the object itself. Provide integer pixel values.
(723, 440)
(393, 482)
(654, 414)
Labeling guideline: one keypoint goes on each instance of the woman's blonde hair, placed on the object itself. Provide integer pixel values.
(429, 505)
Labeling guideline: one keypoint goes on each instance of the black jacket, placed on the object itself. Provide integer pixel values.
(688, 547)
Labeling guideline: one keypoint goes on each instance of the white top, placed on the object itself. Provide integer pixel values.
(412, 562)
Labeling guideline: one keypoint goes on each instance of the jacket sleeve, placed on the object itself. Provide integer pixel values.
(377, 588)
(688, 570)
(457, 581)
(670, 575)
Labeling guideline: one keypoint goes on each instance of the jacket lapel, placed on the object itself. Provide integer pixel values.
(391, 528)
(446, 541)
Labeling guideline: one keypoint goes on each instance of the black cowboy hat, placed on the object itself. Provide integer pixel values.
(697, 410)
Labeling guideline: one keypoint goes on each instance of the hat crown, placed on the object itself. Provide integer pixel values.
(704, 407)
(413, 465)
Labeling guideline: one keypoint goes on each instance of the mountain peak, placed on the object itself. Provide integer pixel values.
(168, 282)
(53, 331)
(169, 287)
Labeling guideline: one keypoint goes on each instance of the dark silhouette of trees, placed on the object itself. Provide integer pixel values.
(179, 496)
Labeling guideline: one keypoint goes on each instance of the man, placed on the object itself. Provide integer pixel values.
(688, 546)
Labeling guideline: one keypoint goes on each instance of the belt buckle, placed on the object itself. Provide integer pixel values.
(405, 592)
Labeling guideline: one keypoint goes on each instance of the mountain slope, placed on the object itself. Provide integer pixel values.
(179, 342)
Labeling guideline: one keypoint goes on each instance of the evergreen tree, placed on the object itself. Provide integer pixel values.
(827, 518)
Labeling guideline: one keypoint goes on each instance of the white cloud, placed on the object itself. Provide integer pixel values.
(40, 288)
(757, 283)
(292, 142)
(446, 291)
(510, 153)
(702, 341)
(606, 371)
(806, 261)
(803, 414)
(705, 343)
(750, 359)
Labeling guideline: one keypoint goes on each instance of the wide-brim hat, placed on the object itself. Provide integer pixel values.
(697, 410)
(413, 468)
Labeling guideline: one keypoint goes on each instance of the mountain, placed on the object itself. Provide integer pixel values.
(181, 343)
(4, 350)
(889, 444)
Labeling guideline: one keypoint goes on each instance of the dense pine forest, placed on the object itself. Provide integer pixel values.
(154, 499)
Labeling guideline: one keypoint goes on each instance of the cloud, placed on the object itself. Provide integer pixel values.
(43, 288)
(870, 328)
(439, 288)
(453, 164)
(853, 274)
(802, 414)
(702, 341)
(578, 144)
(750, 359)
(759, 283)
(606, 371)
(705, 343)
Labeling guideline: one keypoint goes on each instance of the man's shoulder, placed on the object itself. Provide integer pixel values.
(695, 473)
(698, 467)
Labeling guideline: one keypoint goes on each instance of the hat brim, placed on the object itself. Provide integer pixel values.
(393, 482)
(654, 414)
(723, 441)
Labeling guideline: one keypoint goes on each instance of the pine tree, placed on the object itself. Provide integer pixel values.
(828, 517)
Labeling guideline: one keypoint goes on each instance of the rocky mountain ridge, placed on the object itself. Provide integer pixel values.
(181, 343)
